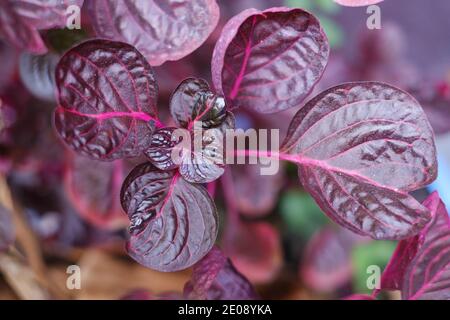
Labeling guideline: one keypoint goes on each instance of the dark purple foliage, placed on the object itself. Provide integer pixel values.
(193, 101)
(256, 195)
(161, 30)
(6, 229)
(269, 61)
(326, 263)
(21, 20)
(420, 266)
(360, 148)
(215, 278)
(93, 187)
(107, 100)
(173, 222)
(37, 73)
(201, 160)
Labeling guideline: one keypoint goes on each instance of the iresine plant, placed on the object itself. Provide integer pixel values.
(360, 147)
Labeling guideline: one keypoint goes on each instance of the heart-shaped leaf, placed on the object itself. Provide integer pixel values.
(422, 264)
(360, 147)
(107, 100)
(269, 60)
(94, 189)
(161, 30)
(357, 3)
(173, 222)
(6, 229)
(215, 278)
(21, 20)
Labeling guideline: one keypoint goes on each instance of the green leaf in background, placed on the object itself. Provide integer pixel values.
(374, 253)
(60, 40)
(300, 213)
(304, 4)
(328, 6)
(332, 30)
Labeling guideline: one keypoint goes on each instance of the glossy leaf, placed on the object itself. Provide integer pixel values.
(326, 263)
(193, 101)
(161, 30)
(161, 148)
(198, 153)
(360, 148)
(269, 60)
(21, 20)
(173, 222)
(427, 275)
(94, 190)
(357, 3)
(38, 75)
(205, 161)
(6, 229)
(215, 278)
(107, 100)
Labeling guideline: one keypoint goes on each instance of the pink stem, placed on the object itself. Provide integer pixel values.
(230, 196)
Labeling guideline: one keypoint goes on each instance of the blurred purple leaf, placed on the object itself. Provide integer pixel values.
(93, 187)
(6, 229)
(326, 263)
(21, 20)
(215, 278)
(255, 249)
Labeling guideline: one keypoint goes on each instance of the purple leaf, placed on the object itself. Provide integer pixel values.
(6, 229)
(357, 3)
(255, 250)
(38, 74)
(21, 20)
(215, 278)
(161, 30)
(107, 100)
(360, 148)
(256, 194)
(161, 148)
(269, 61)
(205, 163)
(393, 273)
(173, 222)
(427, 275)
(326, 263)
(193, 101)
(93, 188)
